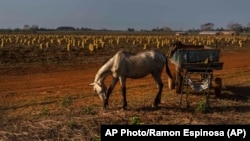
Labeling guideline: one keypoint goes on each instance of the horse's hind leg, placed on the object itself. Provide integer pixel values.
(158, 96)
(160, 86)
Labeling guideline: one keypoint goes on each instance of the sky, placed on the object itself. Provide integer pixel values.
(123, 14)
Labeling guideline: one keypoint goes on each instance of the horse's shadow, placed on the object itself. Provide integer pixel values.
(151, 108)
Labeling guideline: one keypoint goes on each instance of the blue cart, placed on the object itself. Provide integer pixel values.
(195, 59)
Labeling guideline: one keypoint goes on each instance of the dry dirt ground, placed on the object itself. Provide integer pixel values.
(54, 102)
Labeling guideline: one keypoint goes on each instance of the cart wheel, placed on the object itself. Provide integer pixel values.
(217, 84)
(179, 79)
(178, 86)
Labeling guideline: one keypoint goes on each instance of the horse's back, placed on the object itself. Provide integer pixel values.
(138, 65)
(149, 57)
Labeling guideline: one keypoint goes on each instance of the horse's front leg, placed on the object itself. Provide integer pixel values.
(111, 87)
(123, 88)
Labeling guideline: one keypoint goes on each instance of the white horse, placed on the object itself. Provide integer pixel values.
(129, 65)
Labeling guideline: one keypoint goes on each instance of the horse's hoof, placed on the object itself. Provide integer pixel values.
(155, 106)
(106, 107)
(124, 108)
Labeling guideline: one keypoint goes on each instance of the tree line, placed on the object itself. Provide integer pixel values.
(233, 26)
(209, 26)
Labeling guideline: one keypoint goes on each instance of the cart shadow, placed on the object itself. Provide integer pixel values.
(238, 93)
(236, 108)
(231, 93)
(235, 93)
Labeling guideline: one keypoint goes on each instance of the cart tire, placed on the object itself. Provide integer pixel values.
(178, 86)
(217, 85)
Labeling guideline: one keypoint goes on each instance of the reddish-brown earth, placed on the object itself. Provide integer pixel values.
(51, 101)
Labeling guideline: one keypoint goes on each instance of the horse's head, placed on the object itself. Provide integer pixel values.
(100, 89)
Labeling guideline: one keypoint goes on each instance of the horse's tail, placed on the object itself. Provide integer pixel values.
(168, 69)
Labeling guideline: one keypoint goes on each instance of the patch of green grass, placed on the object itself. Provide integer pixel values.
(134, 120)
(88, 110)
(44, 111)
(201, 107)
(71, 124)
(65, 102)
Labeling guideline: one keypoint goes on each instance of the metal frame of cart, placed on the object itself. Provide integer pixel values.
(200, 60)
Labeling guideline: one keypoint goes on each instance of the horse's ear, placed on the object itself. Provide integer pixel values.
(91, 84)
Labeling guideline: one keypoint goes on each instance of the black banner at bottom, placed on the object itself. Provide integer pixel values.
(194, 132)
